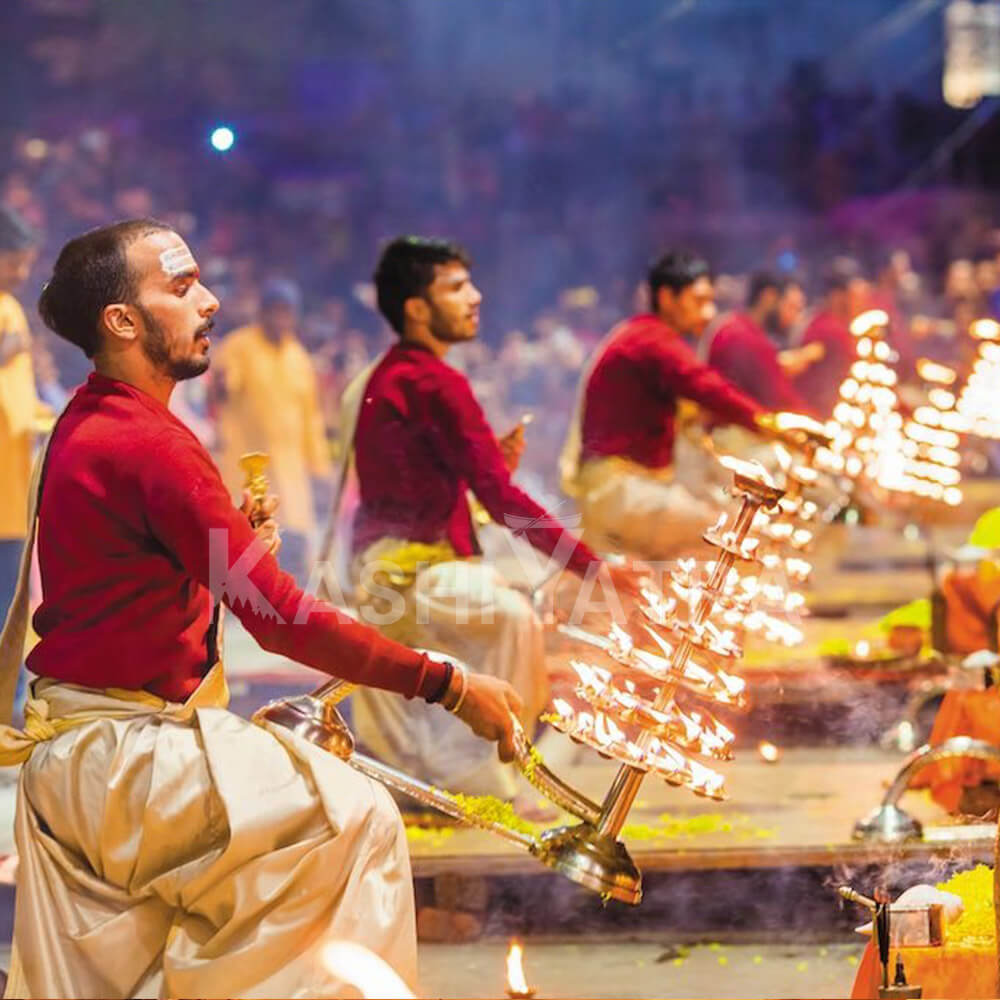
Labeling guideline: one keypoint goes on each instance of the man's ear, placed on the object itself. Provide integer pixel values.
(120, 321)
(417, 310)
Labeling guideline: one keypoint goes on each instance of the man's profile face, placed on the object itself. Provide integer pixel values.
(690, 310)
(454, 303)
(791, 306)
(174, 307)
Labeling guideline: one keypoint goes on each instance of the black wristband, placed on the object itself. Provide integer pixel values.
(442, 690)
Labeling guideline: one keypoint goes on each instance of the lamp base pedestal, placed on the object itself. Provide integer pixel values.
(888, 824)
(597, 862)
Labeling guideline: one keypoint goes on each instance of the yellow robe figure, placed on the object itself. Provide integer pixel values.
(272, 405)
(18, 410)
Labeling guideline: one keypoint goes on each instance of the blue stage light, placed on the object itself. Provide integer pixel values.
(787, 261)
(223, 138)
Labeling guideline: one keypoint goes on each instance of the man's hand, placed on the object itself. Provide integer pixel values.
(486, 709)
(512, 447)
(261, 516)
(796, 360)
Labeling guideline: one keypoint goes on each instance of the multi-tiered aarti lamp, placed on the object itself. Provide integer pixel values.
(788, 532)
(646, 700)
(976, 406)
(915, 457)
(931, 458)
(695, 635)
(868, 439)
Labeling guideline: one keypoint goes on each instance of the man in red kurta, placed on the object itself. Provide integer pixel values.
(743, 353)
(619, 459)
(420, 444)
(847, 295)
(224, 854)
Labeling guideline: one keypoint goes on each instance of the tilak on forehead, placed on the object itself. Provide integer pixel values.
(177, 260)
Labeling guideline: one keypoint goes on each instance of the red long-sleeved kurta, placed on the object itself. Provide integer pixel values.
(742, 353)
(421, 442)
(630, 402)
(134, 527)
(820, 382)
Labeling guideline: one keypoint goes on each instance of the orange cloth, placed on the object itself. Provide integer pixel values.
(962, 713)
(971, 599)
(945, 972)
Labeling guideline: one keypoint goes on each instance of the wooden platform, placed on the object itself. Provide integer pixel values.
(798, 812)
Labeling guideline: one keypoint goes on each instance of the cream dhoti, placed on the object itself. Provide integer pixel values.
(647, 513)
(179, 850)
(464, 608)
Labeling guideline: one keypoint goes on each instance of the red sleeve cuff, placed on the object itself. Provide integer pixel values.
(433, 677)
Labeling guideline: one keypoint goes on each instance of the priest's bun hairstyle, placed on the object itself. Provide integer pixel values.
(92, 272)
(406, 270)
(675, 270)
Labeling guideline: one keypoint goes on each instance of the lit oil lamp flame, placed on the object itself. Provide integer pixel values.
(862, 649)
(700, 734)
(769, 753)
(866, 321)
(985, 329)
(798, 569)
(517, 985)
(676, 769)
(788, 421)
(750, 469)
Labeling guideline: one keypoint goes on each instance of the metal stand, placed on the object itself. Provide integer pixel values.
(891, 824)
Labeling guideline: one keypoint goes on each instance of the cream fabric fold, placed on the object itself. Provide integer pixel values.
(336, 545)
(179, 850)
(465, 609)
(644, 513)
(46, 717)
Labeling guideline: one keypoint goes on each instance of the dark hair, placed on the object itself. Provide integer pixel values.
(16, 235)
(90, 273)
(406, 270)
(761, 281)
(841, 272)
(675, 270)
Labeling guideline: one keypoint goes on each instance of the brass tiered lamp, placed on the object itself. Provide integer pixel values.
(645, 703)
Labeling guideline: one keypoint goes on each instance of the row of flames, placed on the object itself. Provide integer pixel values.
(918, 455)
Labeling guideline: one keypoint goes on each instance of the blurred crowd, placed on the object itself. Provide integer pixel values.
(531, 363)
(562, 182)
